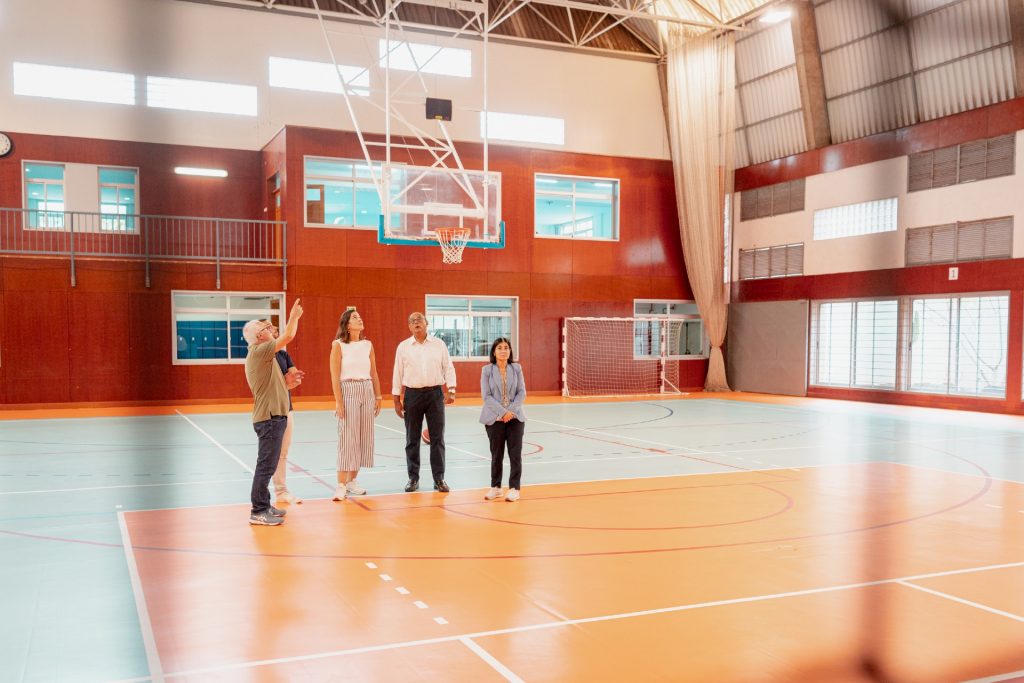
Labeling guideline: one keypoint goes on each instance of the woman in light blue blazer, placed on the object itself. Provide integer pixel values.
(504, 390)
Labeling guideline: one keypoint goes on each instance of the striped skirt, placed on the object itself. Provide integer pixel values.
(355, 432)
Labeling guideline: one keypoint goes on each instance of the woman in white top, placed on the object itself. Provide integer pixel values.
(356, 401)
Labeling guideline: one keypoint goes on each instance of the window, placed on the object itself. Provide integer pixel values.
(957, 242)
(964, 163)
(207, 96)
(119, 192)
(853, 220)
(428, 59)
(44, 195)
(469, 325)
(673, 331)
(772, 200)
(208, 325)
(299, 74)
(957, 345)
(566, 206)
(341, 193)
(765, 262)
(523, 128)
(854, 343)
(66, 83)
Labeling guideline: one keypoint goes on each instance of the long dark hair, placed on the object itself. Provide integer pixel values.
(511, 355)
(342, 332)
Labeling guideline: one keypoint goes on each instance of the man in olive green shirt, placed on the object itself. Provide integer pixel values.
(270, 408)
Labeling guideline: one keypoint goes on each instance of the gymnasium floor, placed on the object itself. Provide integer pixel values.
(703, 539)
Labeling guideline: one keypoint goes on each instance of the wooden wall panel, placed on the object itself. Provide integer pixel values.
(333, 268)
(36, 338)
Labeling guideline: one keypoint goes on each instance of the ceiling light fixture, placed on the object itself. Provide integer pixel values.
(209, 172)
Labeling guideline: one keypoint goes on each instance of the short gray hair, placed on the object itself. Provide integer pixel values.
(251, 331)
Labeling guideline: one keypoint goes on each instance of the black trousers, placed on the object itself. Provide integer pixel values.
(420, 403)
(270, 434)
(510, 434)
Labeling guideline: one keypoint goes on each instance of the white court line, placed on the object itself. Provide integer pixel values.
(505, 672)
(586, 620)
(969, 603)
(1013, 675)
(622, 436)
(402, 590)
(385, 577)
(441, 620)
(216, 443)
(156, 671)
(420, 604)
(446, 446)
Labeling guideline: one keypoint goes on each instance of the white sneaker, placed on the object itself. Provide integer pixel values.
(287, 498)
(339, 492)
(355, 489)
(513, 495)
(495, 492)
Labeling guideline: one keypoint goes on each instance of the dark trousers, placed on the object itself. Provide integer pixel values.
(271, 435)
(420, 403)
(502, 434)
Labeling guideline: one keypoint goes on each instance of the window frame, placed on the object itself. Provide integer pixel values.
(616, 202)
(131, 225)
(228, 312)
(953, 345)
(814, 355)
(894, 200)
(29, 223)
(705, 343)
(469, 314)
(355, 182)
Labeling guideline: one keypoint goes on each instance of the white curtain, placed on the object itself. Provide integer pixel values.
(701, 98)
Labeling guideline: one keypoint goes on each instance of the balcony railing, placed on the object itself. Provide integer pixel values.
(78, 234)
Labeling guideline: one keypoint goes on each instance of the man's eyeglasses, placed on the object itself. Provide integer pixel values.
(417, 319)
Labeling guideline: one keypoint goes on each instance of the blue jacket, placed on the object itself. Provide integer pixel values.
(490, 390)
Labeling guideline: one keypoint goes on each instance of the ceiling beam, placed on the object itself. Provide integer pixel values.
(632, 14)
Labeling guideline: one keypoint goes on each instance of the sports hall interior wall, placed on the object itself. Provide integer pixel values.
(109, 339)
(872, 265)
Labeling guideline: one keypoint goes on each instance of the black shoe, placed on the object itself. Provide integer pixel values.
(412, 485)
(439, 485)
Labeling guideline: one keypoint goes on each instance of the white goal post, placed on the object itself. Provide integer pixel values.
(622, 356)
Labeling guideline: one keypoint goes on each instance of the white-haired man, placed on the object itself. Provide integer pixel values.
(270, 408)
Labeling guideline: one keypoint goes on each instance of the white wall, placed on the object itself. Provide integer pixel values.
(610, 106)
(879, 180)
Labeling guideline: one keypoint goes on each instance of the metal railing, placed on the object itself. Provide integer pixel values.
(78, 234)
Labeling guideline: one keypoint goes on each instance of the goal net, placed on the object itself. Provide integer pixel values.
(625, 356)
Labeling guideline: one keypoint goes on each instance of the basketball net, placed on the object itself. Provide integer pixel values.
(453, 242)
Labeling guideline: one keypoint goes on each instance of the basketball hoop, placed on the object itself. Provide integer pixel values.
(453, 242)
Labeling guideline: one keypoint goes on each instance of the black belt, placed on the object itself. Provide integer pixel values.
(436, 386)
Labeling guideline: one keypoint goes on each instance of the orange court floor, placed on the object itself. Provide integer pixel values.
(656, 540)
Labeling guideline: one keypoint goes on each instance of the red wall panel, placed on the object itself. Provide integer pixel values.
(328, 269)
(996, 119)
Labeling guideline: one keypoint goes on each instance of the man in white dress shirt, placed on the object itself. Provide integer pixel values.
(422, 368)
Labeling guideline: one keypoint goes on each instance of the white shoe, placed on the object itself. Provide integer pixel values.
(339, 492)
(495, 492)
(355, 489)
(287, 498)
(513, 495)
